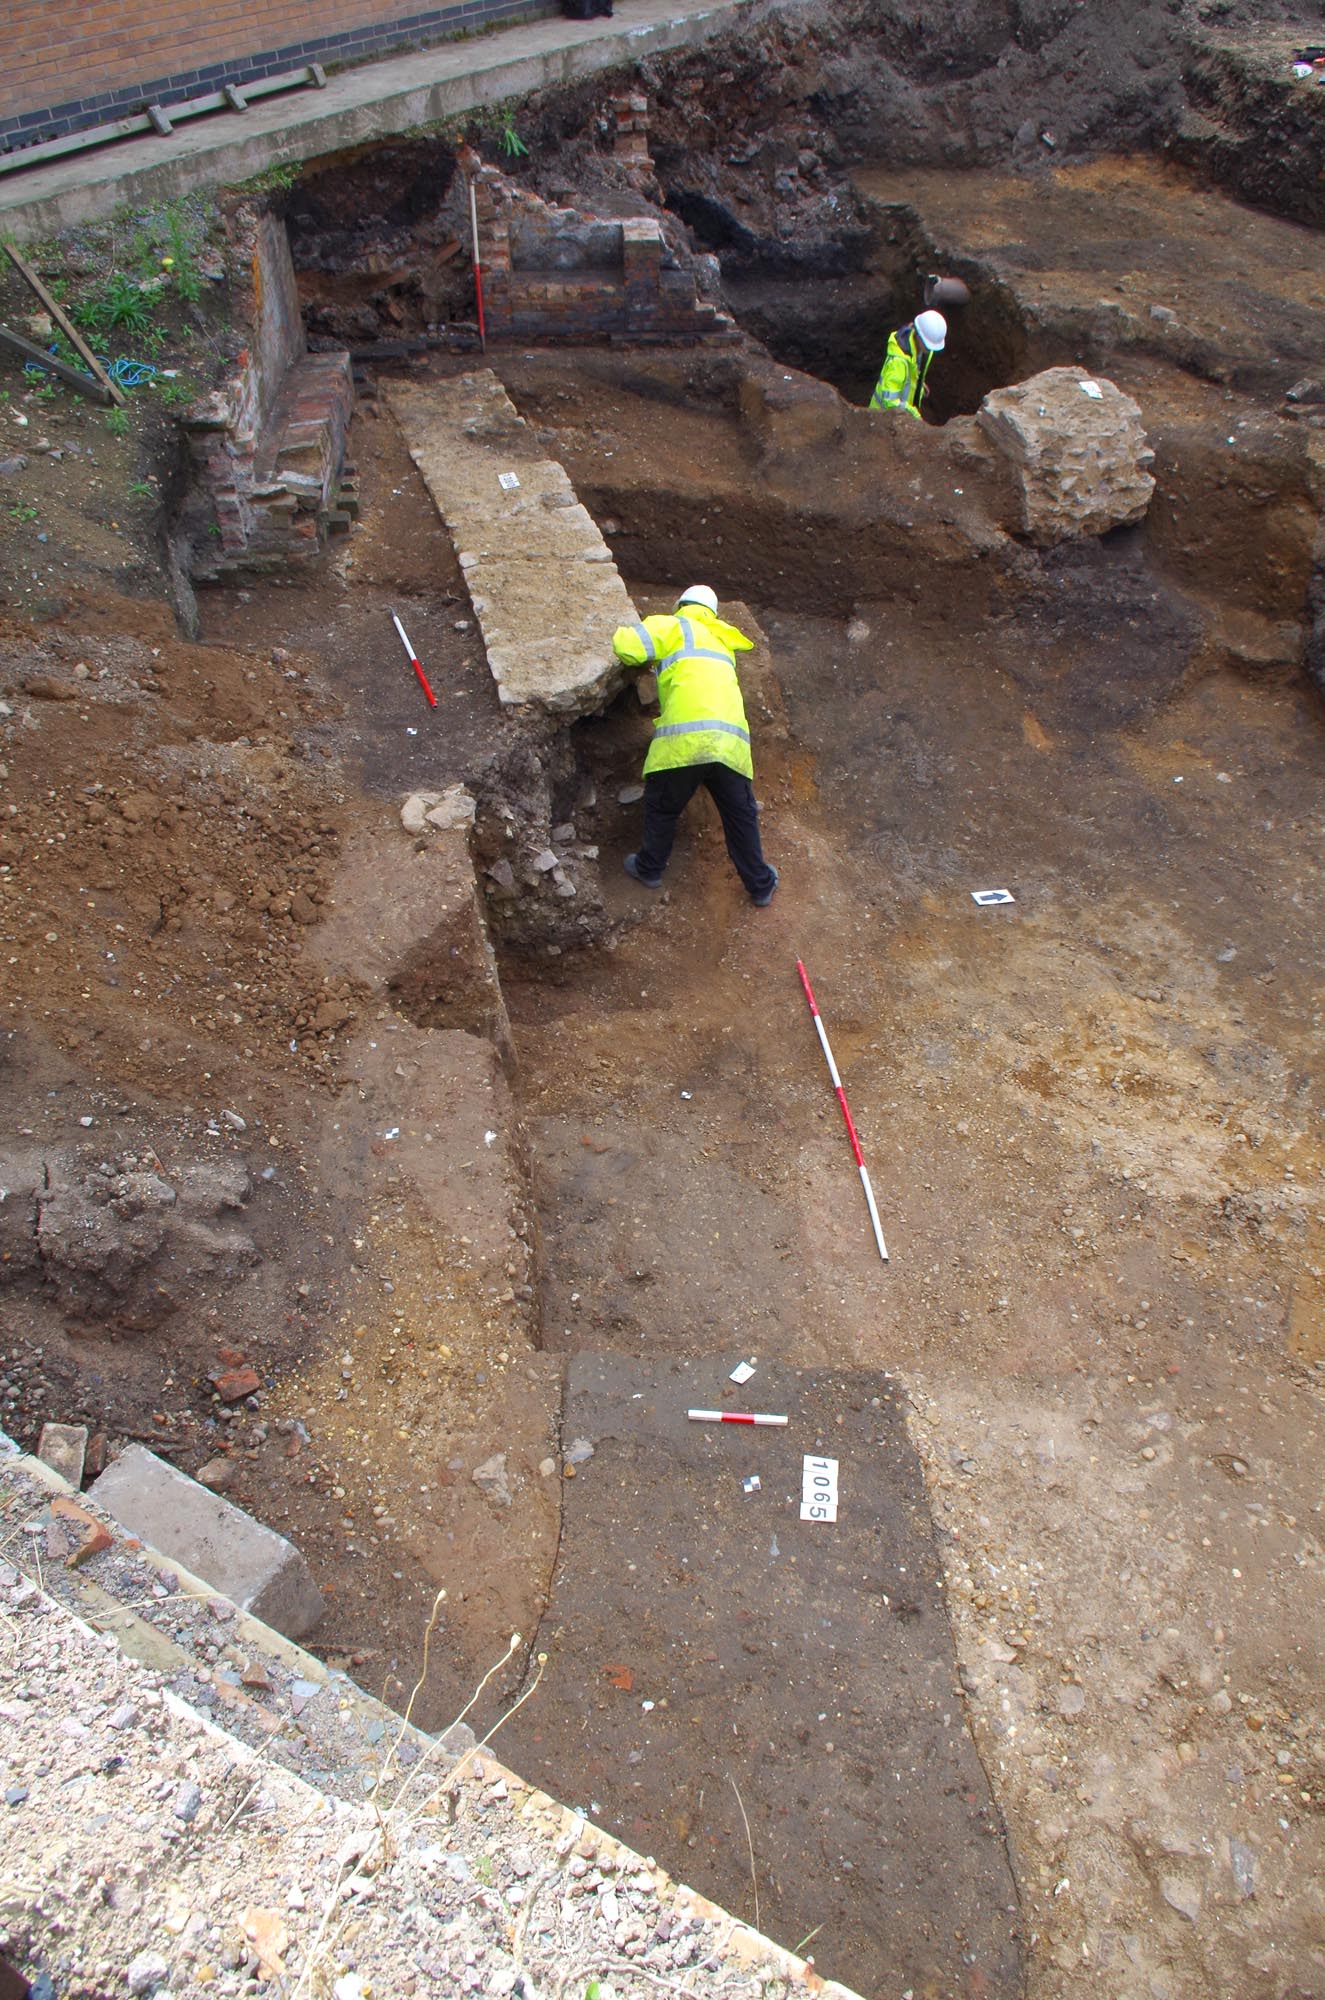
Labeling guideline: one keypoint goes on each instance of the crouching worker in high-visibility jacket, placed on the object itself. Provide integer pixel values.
(701, 737)
(901, 383)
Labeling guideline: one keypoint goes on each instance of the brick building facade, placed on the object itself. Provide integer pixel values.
(72, 64)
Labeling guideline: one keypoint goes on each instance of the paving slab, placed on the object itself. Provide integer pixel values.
(542, 581)
(262, 1571)
(713, 1659)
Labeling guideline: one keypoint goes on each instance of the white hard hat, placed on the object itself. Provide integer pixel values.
(933, 330)
(699, 593)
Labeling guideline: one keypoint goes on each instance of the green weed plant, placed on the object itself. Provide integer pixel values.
(120, 305)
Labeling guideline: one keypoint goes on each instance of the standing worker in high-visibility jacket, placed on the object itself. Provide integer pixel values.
(901, 383)
(701, 737)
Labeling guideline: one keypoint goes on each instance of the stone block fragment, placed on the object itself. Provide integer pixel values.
(415, 810)
(492, 1479)
(63, 1447)
(1079, 451)
(241, 1558)
(454, 808)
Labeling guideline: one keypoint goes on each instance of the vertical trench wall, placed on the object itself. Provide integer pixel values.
(268, 443)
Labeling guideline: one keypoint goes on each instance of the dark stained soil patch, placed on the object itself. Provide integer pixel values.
(769, 1705)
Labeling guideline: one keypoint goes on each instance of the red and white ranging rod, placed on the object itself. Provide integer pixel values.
(414, 661)
(842, 1100)
(478, 269)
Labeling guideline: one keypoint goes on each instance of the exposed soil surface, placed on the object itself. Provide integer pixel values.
(1093, 1115)
(770, 1696)
(174, 1031)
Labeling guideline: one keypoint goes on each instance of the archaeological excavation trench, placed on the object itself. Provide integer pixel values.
(1052, 1092)
(550, 1153)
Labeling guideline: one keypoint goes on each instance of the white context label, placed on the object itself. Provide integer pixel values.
(508, 480)
(818, 1488)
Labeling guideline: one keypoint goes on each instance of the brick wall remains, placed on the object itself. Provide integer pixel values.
(268, 443)
(556, 273)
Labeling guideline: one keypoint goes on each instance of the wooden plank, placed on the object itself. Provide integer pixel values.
(159, 118)
(289, 79)
(73, 142)
(195, 107)
(86, 385)
(224, 98)
(65, 324)
(236, 97)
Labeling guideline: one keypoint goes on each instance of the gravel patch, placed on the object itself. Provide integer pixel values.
(151, 1852)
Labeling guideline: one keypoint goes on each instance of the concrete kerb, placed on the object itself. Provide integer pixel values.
(357, 107)
(134, 1632)
(252, 1564)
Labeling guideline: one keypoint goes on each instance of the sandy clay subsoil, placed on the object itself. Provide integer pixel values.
(1093, 1120)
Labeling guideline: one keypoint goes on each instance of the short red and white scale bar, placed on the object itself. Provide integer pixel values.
(731, 1417)
(842, 1100)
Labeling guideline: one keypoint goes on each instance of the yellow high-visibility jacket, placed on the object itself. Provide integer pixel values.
(702, 718)
(901, 382)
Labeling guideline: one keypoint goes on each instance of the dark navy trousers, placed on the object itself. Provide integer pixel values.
(666, 796)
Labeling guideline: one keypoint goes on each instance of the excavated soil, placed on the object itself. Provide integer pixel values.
(1093, 1116)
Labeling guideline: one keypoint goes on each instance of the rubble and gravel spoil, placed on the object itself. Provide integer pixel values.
(151, 1850)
